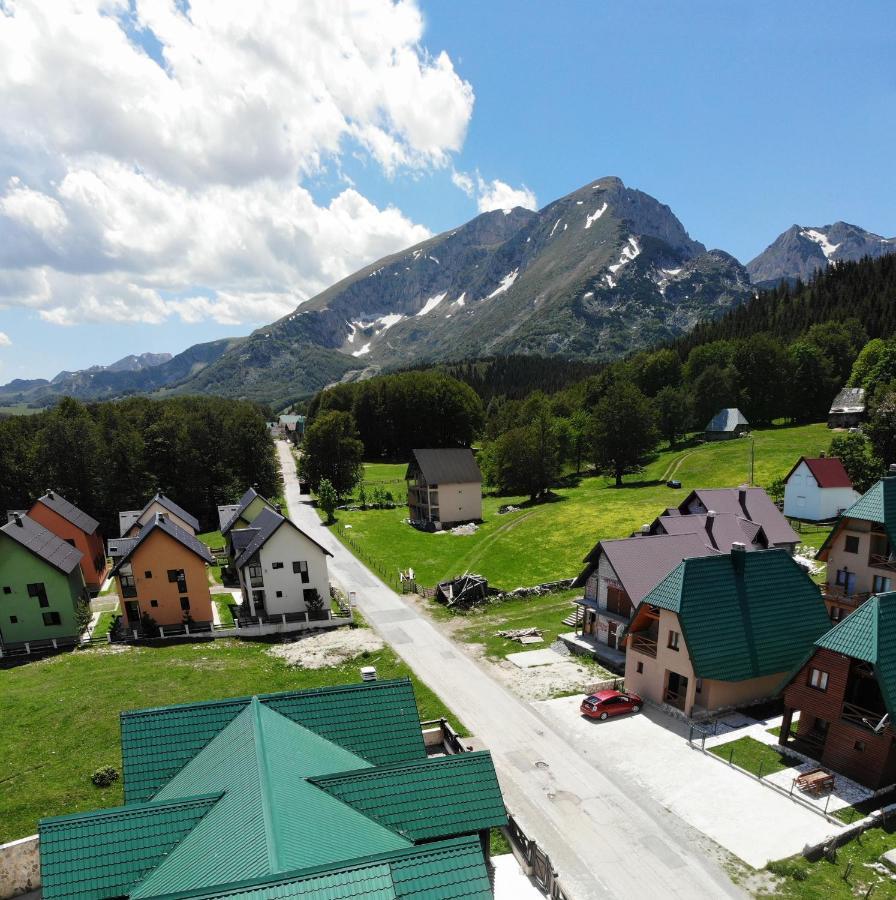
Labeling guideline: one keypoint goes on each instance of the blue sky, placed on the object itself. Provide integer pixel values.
(744, 118)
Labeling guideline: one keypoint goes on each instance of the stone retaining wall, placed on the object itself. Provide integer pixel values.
(19, 867)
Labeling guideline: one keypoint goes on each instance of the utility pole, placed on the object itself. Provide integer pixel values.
(752, 458)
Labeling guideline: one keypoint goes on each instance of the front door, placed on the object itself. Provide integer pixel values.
(611, 634)
(676, 690)
(132, 611)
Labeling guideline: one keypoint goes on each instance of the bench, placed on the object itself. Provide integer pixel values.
(815, 781)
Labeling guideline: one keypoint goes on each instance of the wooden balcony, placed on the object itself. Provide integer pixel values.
(864, 718)
(881, 561)
(835, 593)
(643, 644)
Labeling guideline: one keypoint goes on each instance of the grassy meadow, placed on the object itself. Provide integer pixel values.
(548, 541)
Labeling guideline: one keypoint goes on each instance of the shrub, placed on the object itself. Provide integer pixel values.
(105, 776)
(315, 604)
(788, 868)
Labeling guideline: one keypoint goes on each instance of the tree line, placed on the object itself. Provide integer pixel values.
(112, 456)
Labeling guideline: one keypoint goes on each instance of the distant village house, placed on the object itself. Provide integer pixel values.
(131, 521)
(818, 490)
(725, 424)
(444, 488)
(848, 408)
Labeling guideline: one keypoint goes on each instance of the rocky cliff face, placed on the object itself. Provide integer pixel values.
(800, 251)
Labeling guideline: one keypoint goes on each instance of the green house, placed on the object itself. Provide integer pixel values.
(324, 793)
(41, 586)
(241, 515)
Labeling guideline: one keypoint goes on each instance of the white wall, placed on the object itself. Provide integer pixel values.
(804, 499)
(287, 545)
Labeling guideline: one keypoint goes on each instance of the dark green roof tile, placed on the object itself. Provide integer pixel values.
(743, 614)
(438, 797)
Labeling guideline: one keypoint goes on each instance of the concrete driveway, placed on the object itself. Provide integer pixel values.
(650, 751)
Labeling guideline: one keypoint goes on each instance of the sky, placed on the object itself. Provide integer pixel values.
(176, 171)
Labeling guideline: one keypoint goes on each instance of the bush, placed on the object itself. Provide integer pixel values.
(788, 868)
(105, 777)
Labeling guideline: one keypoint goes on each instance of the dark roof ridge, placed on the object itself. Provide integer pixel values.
(53, 500)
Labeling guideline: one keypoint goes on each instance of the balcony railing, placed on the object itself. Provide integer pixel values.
(864, 718)
(644, 645)
(837, 593)
(674, 698)
(881, 561)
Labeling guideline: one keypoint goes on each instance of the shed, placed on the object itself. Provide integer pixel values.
(726, 423)
(818, 489)
(848, 408)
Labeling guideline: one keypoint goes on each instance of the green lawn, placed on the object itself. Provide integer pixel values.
(223, 603)
(752, 755)
(548, 541)
(212, 539)
(60, 714)
(825, 880)
(103, 624)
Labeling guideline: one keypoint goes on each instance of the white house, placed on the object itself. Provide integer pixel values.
(278, 566)
(818, 490)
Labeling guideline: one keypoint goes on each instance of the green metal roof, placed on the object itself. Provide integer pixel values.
(869, 634)
(431, 798)
(452, 869)
(185, 730)
(262, 806)
(743, 615)
(104, 854)
(877, 504)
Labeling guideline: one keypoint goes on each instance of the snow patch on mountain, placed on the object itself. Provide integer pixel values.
(820, 238)
(432, 303)
(629, 252)
(590, 220)
(505, 284)
(554, 228)
(365, 349)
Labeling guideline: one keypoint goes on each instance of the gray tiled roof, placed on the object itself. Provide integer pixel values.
(849, 400)
(721, 530)
(43, 543)
(448, 465)
(172, 507)
(240, 508)
(265, 524)
(226, 514)
(726, 420)
(120, 546)
(69, 512)
(750, 502)
(191, 542)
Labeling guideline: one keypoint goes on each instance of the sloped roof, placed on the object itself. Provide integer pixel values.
(641, 562)
(438, 795)
(827, 471)
(120, 546)
(241, 507)
(68, 511)
(187, 728)
(743, 615)
(849, 400)
(869, 634)
(173, 508)
(245, 814)
(877, 504)
(43, 543)
(265, 524)
(240, 538)
(726, 420)
(750, 502)
(448, 465)
(163, 523)
(226, 514)
(720, 531)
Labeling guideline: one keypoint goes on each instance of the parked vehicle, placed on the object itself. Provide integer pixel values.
(673, 483)
(604, 704)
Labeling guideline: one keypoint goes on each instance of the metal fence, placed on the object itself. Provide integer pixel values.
(536, 860)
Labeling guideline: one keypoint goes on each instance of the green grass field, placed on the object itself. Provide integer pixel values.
(548, 541)
(752, 755)
(60, 714)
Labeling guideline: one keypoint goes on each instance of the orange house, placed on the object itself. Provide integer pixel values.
(162, 573)
(75, 527)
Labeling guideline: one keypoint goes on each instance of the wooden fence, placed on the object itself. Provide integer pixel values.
(535, 860)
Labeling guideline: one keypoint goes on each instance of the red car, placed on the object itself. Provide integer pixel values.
(604, 704)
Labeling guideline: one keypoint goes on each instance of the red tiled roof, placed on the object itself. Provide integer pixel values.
(828, 471)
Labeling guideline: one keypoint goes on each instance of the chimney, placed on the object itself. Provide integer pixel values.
(50, 493)
(279, 508)
(645, 529)
(710, 521)
(17, 518)
(742, 500)
(821, 455)
(738, 554)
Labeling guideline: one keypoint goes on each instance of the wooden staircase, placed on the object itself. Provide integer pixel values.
(574, 619)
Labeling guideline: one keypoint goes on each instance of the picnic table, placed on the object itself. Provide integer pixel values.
(815, 781)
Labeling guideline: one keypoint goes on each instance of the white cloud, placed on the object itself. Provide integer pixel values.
(137, 191)
(495, 194)
(4, 340)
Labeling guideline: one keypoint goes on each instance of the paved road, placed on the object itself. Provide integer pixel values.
(605, 839)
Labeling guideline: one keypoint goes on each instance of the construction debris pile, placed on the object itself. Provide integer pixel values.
(468, 529)
(522, 635)
(465, 591)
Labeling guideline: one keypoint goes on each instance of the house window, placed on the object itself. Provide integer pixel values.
(13, 619)
(128, 588)
(181, 579)
(70, 541)
(640, 668)
(7, 589)
(308, 593)
(851, 544)
(698, 686)
(147, 574)
(185, 604)
(153, 602)
(859, 746)
(674, 638)
(881, 584)
(820, 725)
(818, 679)
(836, 613)
(38, 590)
(277, 565)
(52, 618)
(301, 568)
(279, 593)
